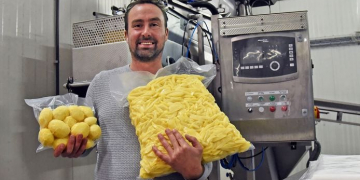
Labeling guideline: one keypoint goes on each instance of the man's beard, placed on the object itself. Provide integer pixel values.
(146, 55)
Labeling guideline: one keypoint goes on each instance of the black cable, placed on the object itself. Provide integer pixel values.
(246, 12)
(212, 51)
(254, 154)
(215, 55)
(269, 7)
(208, 37)
(57, 46)
(238, 9)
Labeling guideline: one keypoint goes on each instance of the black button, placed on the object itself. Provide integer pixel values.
(250, 110)
(275, 65)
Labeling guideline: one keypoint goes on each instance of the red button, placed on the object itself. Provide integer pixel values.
(284, 108)
(272, 108)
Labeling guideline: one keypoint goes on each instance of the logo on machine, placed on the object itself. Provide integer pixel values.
(263, 40)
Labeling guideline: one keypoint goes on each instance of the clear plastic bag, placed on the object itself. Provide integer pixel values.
(53, 102)
(120, 85)
(204, 115)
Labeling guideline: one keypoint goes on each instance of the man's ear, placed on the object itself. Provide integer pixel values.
(166, 34)
(126, 35)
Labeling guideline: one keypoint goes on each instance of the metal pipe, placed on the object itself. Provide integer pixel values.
(336, 41)
(241, 9)
(340, 122)
(98, 15)
(57, 46)
(207, 5)
(337, 106)
(185, 7)
(201, 51)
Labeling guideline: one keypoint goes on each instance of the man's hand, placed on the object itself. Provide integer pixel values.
(182, 157)
(75, 147)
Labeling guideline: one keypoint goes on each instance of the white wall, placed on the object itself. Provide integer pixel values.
(336, 72)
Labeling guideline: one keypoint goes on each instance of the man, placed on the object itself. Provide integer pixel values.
(118, 150)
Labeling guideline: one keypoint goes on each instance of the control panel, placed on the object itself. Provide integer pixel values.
(267, 101)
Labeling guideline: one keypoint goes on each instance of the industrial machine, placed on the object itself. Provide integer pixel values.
(266, 77)
(266, 86)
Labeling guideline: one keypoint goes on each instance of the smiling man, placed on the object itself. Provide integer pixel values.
(118, 156)
(147, 33)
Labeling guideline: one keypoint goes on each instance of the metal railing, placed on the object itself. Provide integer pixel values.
(340, 108)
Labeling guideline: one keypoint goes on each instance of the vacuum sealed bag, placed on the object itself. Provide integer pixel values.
(177, 98)
(62, 116)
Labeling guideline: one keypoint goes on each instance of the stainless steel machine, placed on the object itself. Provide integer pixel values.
(266, 76)
(266, 88)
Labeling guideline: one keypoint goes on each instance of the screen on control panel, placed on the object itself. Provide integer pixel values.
(268, 56)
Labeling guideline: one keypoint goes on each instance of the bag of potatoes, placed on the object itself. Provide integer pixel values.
(62, 116)
(175, 99)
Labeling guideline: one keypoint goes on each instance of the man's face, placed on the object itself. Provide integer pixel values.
(146, 33)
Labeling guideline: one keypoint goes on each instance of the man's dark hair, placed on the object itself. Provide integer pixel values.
(158, 3)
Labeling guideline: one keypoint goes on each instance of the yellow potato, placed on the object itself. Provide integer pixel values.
(60, 112)
(95, 132)
(46, 115)
(76, 113)
(59, 129)
(87, 111)
(90, 143)
(180, 102)
(57, 142)
(70, 121)
(90, 120)
(46, 138)
(80, 128)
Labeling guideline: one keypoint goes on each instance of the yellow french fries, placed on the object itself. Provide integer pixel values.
(180, 102)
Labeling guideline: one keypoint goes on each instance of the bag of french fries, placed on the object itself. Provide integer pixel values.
(176, 98)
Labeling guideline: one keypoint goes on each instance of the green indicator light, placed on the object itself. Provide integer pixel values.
(272, 98)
